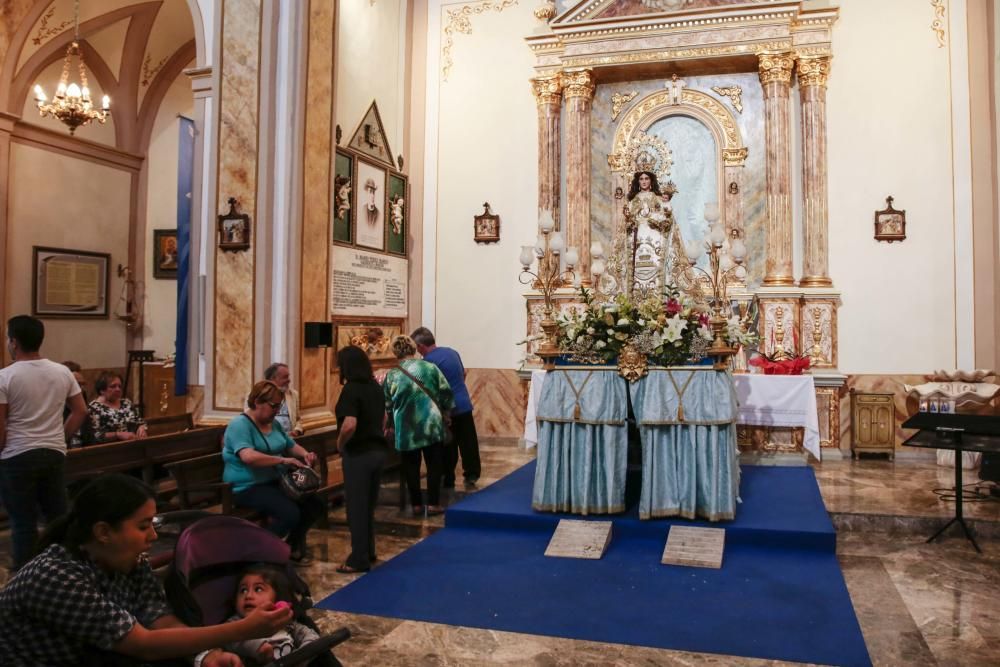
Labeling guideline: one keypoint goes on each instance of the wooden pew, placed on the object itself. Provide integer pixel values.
(169, 424)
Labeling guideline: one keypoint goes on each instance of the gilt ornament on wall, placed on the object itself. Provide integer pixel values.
(734, 93)
(618, 102)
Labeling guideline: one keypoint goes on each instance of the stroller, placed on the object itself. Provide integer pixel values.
(209, 557)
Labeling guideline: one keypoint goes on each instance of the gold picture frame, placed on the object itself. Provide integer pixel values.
(890, 224)
(70, 284)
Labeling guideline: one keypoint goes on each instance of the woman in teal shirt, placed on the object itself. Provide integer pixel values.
(254, 449)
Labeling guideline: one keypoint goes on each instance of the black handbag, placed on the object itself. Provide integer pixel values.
(448, 435)
(296, 482)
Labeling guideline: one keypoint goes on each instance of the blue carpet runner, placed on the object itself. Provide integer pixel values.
(779, 595)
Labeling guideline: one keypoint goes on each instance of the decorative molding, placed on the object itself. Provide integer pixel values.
(675, 54)
(734, 157)
(618, 102)
(547, 89)
(546, 12)
(939, 21)
(775, 67)
(734, 93)
(813, 70)
(578, 83)
(149, 73)
(45, 31)
(459, 22)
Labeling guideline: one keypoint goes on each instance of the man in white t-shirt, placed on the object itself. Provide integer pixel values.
(33, 393)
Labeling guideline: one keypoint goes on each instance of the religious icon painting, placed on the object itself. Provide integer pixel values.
(890, 224)
(398, 213)
(369, 206)
(486, 226)
(165, 253)
(343, 213)
(234, 229)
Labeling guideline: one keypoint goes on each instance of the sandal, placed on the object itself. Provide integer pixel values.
(347, 569)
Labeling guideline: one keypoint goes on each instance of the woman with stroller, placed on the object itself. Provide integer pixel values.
(254, 449)
(361, 442)
(419, 402)
(90, 597)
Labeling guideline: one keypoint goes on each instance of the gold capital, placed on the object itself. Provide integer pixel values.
(547, 89)
(734, 156)
(578, 83)
(775, 67)
(813, 70)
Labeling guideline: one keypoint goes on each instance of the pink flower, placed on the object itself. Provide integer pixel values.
(703, 319)
(672, 307)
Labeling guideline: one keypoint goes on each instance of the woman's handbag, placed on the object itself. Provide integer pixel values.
(448, 435)
(296, 482)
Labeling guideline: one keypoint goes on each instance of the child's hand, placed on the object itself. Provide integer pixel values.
(265, 653)
(265, 621)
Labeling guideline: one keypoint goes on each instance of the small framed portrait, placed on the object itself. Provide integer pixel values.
(234, 229)
(165, 254)
(890, 224)
(373, 335)
(486, 226)
(398, 214)
(69, 283)
(343, 212)
(369, 206)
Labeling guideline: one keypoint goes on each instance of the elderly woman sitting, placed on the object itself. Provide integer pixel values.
(113, 418)
(419, 402)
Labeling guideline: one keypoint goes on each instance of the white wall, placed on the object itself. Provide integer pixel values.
(486, 150)
(160, 312)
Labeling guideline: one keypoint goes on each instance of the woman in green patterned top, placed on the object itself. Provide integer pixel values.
(419, 402)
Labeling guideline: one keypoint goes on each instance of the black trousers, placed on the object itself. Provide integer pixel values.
(434, 458)
(32, 481)
(464, 442)
(286, 518)
(362, 477)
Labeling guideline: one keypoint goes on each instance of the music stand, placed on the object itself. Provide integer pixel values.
(961, 433)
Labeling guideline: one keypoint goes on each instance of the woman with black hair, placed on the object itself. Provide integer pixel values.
(362, 446)
(90, 597)
(113, 417)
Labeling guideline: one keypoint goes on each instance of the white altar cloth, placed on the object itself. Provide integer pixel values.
(764, 400)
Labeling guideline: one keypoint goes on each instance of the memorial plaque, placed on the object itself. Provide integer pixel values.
(580, 539)
(694, 547)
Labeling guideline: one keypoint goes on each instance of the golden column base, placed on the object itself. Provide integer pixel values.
(815, 281)
(779, 281)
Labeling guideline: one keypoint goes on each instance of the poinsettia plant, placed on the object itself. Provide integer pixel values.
(785, 365)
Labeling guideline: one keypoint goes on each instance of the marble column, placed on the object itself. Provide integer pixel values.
(812, 72)
(775, 77)
(548, 98)
(578, 91)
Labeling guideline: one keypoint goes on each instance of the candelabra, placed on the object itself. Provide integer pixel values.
(548, 277)
(722, 266)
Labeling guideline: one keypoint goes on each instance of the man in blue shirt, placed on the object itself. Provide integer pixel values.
(463, 427)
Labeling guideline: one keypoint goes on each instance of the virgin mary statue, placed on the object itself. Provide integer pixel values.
(651, 234)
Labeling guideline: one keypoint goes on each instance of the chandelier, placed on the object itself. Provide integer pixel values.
(72, 104)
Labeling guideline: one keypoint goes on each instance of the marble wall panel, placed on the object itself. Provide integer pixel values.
(239, 67)
(314, 263)
(498, 400)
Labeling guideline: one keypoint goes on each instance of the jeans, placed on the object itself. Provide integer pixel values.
(28, 482)
(287, 518)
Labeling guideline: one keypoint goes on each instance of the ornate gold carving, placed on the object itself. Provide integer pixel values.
(734, 93)
(547, 89)
(779, 333)
(632, 364)
(618, 102)
(734, 157)
(578, 83)
(938, 25)
(675, 54)
(646, 152)
(45, 30)
(458, 21)
(813, 70)
(775, 67)
(816, 353)
(546, 12)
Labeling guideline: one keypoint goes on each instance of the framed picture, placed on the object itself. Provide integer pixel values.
(486, 226)
(234, 229)
(343, 213)
(398, 214)
(69, 283)
(372, 335)
(369, 206)
(165, 253)
(890, 224)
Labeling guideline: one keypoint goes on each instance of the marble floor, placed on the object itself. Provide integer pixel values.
(917, 603)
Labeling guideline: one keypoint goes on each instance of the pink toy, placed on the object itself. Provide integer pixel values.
(281, 604)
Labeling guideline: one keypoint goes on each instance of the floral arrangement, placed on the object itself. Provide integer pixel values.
(772, 365)
(671, 330)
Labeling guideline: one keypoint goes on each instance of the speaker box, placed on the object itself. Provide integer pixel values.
(319, 334)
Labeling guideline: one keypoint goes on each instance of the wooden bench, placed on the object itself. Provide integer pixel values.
(169, 424)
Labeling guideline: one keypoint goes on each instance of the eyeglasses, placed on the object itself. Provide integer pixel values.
(275, 406)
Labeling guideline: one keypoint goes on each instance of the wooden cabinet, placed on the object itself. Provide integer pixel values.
(873, 424)
(158, 391)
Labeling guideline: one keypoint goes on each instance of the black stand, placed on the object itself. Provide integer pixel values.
(137, 357)
(955, 435)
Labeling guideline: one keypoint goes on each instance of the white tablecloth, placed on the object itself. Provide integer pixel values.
(764, 400)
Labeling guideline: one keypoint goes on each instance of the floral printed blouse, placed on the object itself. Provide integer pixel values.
(104, 419)
(417, 420)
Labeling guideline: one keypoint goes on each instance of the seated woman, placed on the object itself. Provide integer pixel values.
(418, 400)
(90, 597)
(113, 418)
(254, 449)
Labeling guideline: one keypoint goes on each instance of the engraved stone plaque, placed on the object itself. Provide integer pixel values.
(694, 547)
(580, 539)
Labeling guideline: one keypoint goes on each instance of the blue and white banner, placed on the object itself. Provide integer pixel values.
(185, 185)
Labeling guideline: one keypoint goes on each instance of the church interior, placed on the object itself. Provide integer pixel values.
(261, 181)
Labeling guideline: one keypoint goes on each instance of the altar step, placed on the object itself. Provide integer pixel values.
(890, 524)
